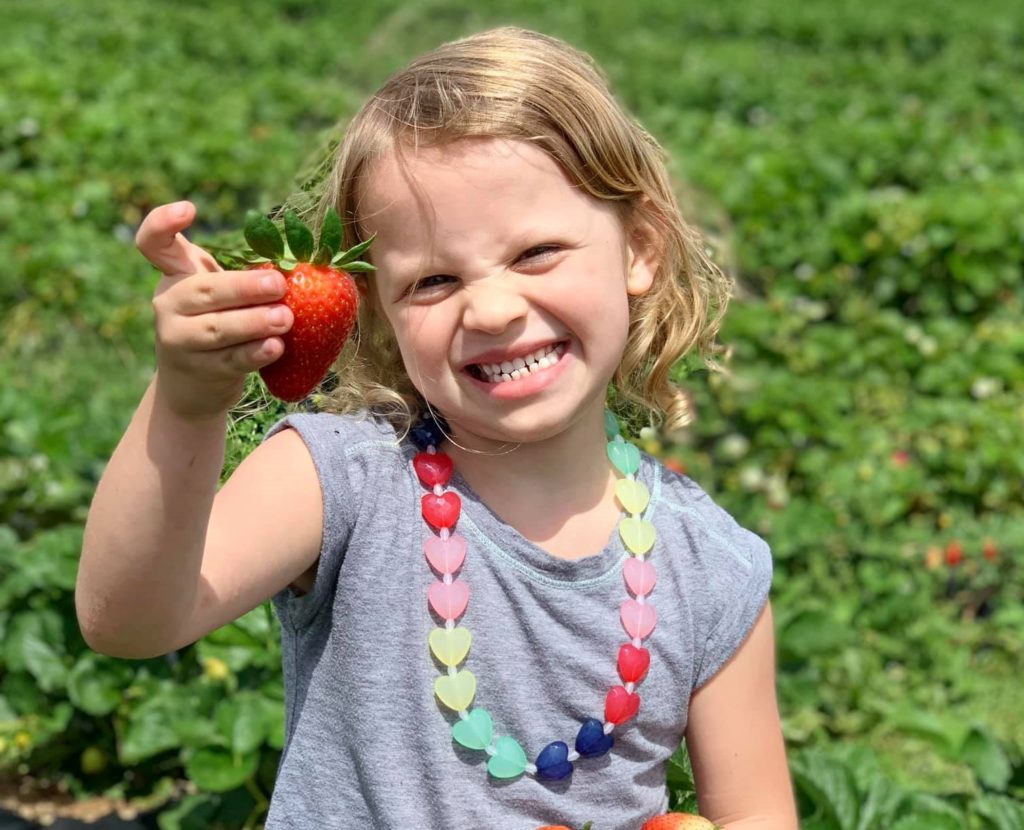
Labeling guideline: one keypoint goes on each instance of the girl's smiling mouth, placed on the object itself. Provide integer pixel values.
(522, 375)
(519, 367)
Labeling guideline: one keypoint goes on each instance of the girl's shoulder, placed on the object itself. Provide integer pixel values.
(689, 511)
(348, 430)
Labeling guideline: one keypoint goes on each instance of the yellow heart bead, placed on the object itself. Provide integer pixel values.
(456, 691)
(637, 535)
(633, 495)
(450, 646)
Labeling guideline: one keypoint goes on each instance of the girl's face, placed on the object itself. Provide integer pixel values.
(488, 258)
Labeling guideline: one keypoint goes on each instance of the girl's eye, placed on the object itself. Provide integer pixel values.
(433, 281)
(540, 252)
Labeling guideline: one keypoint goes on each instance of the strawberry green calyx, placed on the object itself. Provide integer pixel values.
(298, 244)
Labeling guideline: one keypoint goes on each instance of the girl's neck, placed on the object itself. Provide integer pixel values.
(545, 488)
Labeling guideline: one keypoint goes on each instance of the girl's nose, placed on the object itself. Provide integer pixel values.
(490, 306)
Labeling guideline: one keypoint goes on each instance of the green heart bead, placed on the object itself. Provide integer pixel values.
(637, 534)
(508, 760)
(611, 425)
(476, 731)
(625, 456)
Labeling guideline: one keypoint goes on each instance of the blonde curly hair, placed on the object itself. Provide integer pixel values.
(513, 83)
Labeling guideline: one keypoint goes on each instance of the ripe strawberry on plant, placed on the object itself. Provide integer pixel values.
(679, 821)
(320, 293)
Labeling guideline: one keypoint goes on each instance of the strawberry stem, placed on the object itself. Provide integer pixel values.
(263, 236)
(300, 237)
(331, 233)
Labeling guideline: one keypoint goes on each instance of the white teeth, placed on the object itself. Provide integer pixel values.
(520, 367)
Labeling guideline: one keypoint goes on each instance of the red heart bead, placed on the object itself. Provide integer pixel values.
(620, 705)
(442, 511)
(633, 663)
(433, 468)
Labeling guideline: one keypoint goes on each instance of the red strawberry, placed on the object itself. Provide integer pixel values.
(679, 821)
(675, 465)
(320, 293)
(954, 553)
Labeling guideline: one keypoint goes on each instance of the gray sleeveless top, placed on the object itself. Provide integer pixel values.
(367, 744)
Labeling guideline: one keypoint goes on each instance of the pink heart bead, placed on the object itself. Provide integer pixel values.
(445, 555)
(637, 619)
(640, 576)
(448, 601)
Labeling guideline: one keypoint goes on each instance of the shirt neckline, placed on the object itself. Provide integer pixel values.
(490, 535)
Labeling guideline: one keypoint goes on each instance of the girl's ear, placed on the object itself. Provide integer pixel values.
(644, 248)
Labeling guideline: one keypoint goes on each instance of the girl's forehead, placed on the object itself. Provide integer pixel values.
(466, 169)
(463, 186)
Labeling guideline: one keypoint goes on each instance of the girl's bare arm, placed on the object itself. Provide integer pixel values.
(166, 558)
(735, 740)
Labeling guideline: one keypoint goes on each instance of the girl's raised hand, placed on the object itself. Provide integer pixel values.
(213, 326)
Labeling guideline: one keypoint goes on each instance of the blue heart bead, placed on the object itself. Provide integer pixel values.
(553, 762)
(591, 740)
(429, 432)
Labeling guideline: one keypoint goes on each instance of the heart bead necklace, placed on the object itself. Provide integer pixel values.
(448, 597)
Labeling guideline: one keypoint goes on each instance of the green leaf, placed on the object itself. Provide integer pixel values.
(42, 661)
(194, 812)
(354, 252)
(300, 237)
(881, 804)
(95, 684)
(274, 716)
(928, 821)
(218, 770)
(945, 731)
(242, 720)
(1002, 812)
(356, 267)
(331, 233)
(263, 236)
(148, 733)
(829, 784)
(679, 773)
(987, 758)
(322, 256)
(193, 731)
(23, 693)
(811, 633)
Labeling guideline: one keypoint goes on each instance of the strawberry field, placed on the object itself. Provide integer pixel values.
(861, 171)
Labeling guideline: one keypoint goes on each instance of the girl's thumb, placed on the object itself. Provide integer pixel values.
(160, 241)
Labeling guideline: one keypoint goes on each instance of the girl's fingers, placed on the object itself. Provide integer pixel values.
(160, 240)
(221, 330)
(204, 293)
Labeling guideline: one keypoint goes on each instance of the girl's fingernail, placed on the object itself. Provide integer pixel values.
(179, 209)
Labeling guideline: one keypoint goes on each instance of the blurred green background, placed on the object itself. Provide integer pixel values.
(860, 169)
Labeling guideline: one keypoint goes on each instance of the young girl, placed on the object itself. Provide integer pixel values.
(495, 612)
